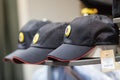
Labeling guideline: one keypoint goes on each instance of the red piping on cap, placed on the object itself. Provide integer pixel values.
(6, 60)
(59, 59)
(25, 62)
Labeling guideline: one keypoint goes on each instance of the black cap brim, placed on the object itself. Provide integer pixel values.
(68, 52)
(32, 55)
(11, 55)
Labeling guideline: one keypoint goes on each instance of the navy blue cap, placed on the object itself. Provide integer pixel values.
(46, 40)
(26, 35)
(83, 34)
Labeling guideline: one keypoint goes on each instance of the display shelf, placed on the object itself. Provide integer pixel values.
(78, 62)
(116, 20)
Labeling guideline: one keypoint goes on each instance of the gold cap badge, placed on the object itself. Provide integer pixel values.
(67, 30)
(36, 38)
(21, 37)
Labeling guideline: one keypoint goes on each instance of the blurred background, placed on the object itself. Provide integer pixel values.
(15, 13)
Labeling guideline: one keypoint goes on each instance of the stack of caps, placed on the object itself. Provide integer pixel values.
(81, 36)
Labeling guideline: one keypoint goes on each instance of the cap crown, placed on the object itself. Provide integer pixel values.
(92, 30)
(27, 33)
(50, 36)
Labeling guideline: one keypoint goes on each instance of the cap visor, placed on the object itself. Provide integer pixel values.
(11, 55)
(32, 55)
(67, 52)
